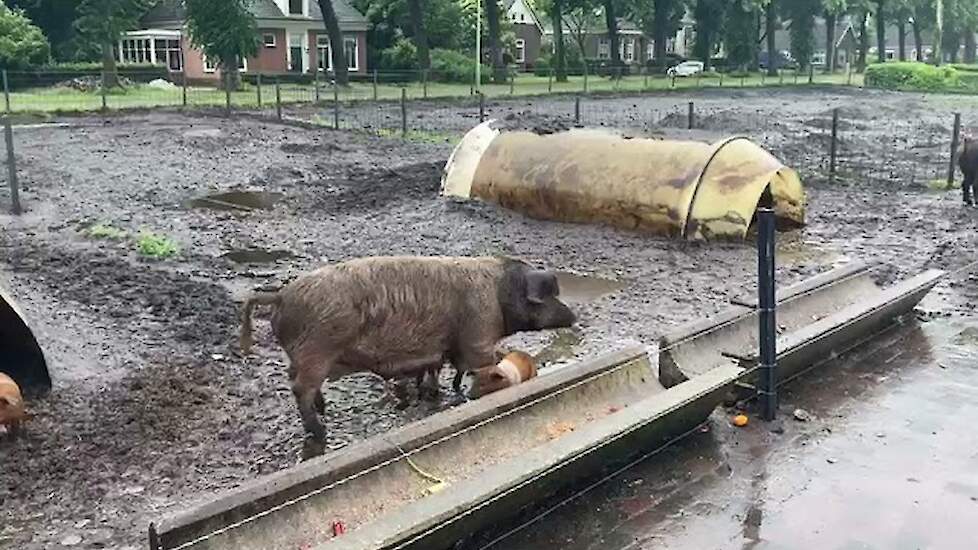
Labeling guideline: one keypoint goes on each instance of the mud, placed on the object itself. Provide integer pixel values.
(153, 406)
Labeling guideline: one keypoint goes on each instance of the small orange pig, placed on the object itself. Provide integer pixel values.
(11, 405)
(515, 367)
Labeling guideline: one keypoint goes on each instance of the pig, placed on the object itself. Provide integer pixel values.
(515, 367)
(968, 162)
(11, 405)
(400, 316)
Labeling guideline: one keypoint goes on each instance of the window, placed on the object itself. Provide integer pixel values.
(268, 39)
(157, 51)
(520, 50)
(296, 51)
(168, 52)
(629, 51)
(137, 50)
(522, 18)
(211, 66)
(649, 50)
(890, 54)
(604, 49)
(351, 50)
(295, 7)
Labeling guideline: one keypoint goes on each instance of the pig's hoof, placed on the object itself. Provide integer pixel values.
(320, 404)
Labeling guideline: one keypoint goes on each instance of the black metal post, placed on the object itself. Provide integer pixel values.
(6, 92)
(767, 325)
(227, 97)
(692, 115)
(834, 145)
(482, 107)
(404, 127)
(585, 76)
(336, 106)
(954, 148)
(278, 99)
(258, 88)
(577, 110)
(550, 80)
(512, 81)
(315, 85)
(375, 84)
(811, 73)
(424, 82)
(8, 133)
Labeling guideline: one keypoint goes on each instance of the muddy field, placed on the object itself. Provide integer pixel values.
(154, 407)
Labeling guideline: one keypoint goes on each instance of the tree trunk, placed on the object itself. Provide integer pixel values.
(660, 31)
(337, 47)
(561, 56)
(954, 44)
(880, 31)
(420, 34)
(611, 20)
(918, 38)
(969, 46)
(755, 51)
(830, 42)
(110, 76)
(863, 42)
(230, 76)
(939, 33)
(902, 31)
(708, 51)
(495, 48)
(770, 28)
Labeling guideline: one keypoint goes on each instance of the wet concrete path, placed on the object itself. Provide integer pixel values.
(889, 460)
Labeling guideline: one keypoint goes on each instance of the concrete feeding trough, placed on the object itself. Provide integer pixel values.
(686, 189)
(438, 479)
(434, 481)
(818, 319)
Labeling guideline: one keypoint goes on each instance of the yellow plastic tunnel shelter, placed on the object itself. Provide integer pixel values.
(686, 189)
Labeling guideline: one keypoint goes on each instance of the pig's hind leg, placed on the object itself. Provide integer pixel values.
(311, 371)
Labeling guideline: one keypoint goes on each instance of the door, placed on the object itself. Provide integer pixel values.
(296, 53)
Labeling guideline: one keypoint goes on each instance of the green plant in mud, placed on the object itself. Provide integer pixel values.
(105, 231)
(156, 246)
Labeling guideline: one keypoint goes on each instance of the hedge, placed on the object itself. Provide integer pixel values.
(912, 77)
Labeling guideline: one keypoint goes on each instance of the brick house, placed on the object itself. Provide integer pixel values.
(292, 40)
(528, 31)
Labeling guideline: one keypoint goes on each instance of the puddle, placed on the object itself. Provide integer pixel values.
(581, 288)
(238, 200)
(203, 133)
(256, 256)
(561, 347)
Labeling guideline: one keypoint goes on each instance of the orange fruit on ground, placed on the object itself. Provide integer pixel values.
(740, 420)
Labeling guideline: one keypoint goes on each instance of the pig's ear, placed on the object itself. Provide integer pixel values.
(540, 285)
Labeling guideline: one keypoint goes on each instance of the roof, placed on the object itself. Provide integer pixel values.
(596, 27)
(173, 11)
(508, 5)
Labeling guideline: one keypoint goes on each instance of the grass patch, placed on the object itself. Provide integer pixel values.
(105, 231)
(942, 185)
(156, 246)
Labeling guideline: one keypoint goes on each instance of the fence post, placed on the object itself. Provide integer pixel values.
(404, 128)
(848, 74)
(780, 77)
(796, 76)
(278, 99)
(104, 93)
(8, 133)
(954, 148)
(336, 106)
(482, 107)
(315, 84)
(743, 80)
(811, 73)
(424, 82)
(550, 80)
(674, 82)
(6, 92)
(645, 81)
(585, 76)
(184, 87)
(577, 110)
(767, 325)
(692, 113)
(763, 79)
(512, 81)
(617, 79)
(721, 78)
(227, 97)
(375, 84)
(258, 89)
(834, 145)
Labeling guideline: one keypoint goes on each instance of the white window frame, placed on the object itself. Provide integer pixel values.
(323, 47)
(242, 68)
(288, 12)
(303, 45)
(520, 51)
(629, 56)
(265, 43)
(604, 48)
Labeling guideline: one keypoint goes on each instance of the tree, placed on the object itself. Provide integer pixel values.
(833, 10)
(709, 16)
(225, 31)
(922, 17)
(56, 19)
(881, 31)
(495, 41)
(582, 16)
(611, 22)
(666, 15)
(802, 30)
(770, 30)
(555, 10)
(102, 22)
(420, 35)
(739, 34)
(447, 24)
(21, 43)
(337, 50)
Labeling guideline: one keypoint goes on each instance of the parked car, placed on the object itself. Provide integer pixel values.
(782, 60)
(686, 68)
